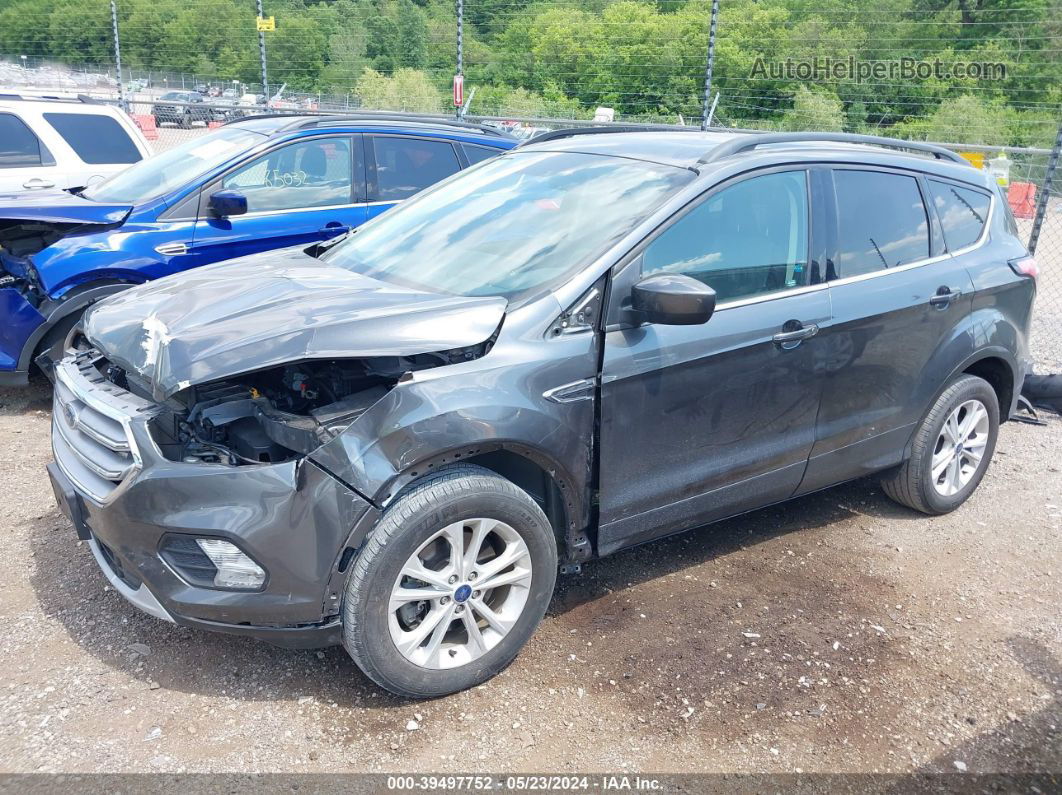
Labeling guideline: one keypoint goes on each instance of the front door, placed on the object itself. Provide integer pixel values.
(297, 194)
(703, 422)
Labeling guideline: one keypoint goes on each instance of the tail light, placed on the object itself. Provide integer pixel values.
(1025, 266)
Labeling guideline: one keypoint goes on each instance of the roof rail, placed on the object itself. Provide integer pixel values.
(746, 142)
(571, 132)
(258, 116)
(325, 120)
(84, 98)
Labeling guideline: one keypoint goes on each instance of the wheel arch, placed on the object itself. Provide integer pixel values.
(530, 469)
(996, 362)
(1000, 375)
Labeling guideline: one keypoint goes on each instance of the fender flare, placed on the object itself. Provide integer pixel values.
(77, 302)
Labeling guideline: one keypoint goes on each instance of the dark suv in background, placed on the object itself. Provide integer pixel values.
(584, 344)
(182, 108)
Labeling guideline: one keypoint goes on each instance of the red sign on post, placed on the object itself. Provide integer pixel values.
(459, 90)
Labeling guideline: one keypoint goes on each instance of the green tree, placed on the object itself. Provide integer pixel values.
(408, 90)
(819, 111)
(967, 120)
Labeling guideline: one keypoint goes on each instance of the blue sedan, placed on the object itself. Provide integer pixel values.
(253, 185)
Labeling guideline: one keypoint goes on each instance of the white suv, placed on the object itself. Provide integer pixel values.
(50, 142)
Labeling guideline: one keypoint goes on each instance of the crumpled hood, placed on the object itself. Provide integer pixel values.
(271, 309)
(33, 220)
(60, 207)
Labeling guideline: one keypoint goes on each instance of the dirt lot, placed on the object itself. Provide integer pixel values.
(837, 633)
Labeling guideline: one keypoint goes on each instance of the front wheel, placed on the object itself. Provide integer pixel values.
(450, 584)
(56, 343)
(952, 448)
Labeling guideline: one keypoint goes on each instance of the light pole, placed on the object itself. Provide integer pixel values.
(262, 53)
(705, 113)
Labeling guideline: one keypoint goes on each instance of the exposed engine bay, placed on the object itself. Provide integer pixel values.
(279, 414)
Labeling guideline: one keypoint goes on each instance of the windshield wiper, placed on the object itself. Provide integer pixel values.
(326, 245)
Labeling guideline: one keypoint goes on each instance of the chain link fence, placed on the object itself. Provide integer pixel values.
(1041, 210)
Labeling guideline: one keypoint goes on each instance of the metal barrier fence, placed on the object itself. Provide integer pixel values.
(180, 121)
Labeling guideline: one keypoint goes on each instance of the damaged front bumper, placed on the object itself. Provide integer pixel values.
(293, 519)
(19, 319)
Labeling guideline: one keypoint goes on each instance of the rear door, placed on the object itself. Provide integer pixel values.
(897, 296)
(399, 166)
(297, 194)
(703, 422)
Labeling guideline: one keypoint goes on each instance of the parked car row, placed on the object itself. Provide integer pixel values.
(392, 439)
(253, 185)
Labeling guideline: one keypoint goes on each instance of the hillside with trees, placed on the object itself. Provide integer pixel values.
(564, 58)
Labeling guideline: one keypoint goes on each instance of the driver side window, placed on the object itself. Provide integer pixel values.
(313, 173)
(747, 240)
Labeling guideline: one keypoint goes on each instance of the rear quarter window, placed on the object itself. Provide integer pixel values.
(881, 221)
(94, 138)
(963, 213)
(476, 154)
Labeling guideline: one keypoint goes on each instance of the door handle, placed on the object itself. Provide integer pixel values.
(944, 297)
(332, 229)
(37, 182)
(796, 335)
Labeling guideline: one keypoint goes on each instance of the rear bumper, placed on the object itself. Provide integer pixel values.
(293, 519)
(19, 319)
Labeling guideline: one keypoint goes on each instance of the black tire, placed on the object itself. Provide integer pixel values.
(447, 496)
(911, 483)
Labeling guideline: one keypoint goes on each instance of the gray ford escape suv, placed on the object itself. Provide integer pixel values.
(595, 340)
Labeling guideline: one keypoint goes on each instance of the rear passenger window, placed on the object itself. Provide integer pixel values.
(963, 213)
(95, 138)
(19, 147)
(477, 154)
(881, 222)
(747, 240)
(405, 166)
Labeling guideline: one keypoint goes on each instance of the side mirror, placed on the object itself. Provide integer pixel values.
(228, 202)
(672, 299)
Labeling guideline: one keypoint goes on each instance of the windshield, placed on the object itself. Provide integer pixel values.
(174, 167)
(512, 225)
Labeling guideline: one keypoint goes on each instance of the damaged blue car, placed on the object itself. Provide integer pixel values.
(254, 185)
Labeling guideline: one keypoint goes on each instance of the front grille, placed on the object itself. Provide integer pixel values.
(91, 446)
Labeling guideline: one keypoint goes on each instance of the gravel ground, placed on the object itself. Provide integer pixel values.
(838, 632)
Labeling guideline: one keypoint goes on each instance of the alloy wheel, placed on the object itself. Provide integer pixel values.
(960, 447)
(460, 593)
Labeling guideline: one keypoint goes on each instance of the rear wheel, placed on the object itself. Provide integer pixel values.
(450, 584)
(952, 448)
